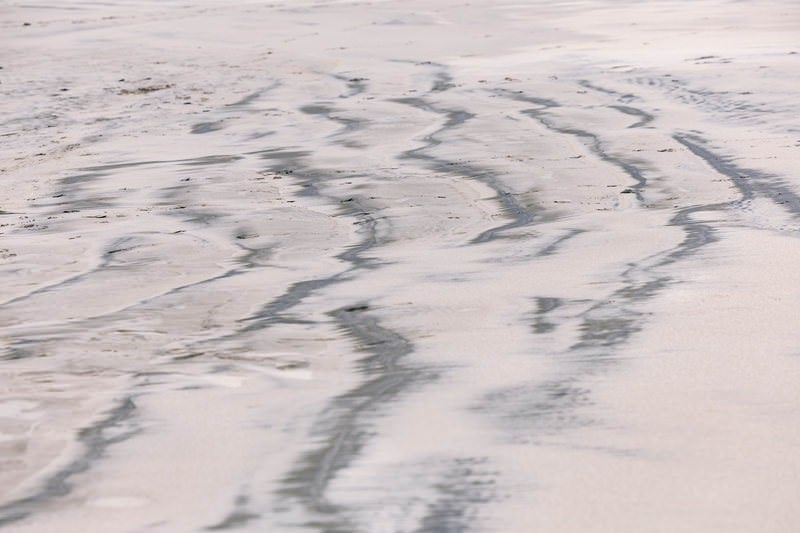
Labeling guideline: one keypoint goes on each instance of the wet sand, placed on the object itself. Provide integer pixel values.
(399, 266)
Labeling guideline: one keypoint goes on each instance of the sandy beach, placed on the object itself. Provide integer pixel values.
(420, 266)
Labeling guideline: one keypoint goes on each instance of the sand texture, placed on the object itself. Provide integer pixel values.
(400, 266)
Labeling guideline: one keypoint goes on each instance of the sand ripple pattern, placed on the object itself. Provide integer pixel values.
(404, 267)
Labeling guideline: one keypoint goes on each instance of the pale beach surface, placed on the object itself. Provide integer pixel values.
(418, 266)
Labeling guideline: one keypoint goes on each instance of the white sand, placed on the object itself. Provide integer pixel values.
(399, 266)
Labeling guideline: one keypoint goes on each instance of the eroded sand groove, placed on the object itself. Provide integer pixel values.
(399, 267)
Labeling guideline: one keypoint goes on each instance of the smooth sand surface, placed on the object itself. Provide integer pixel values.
(400, 266)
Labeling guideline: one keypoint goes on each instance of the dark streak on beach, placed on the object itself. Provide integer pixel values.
(343, 428)
(522, 215)
(94, 442)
